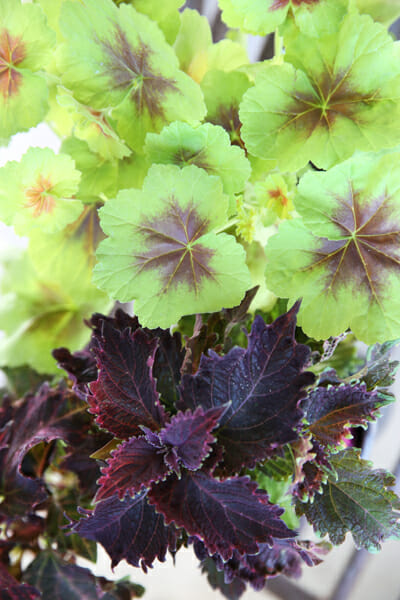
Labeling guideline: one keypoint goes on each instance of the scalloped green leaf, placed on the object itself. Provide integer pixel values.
(384, 11)
(355, 499)
(165, 14)
(26, 44)
(222, 94)
(128, 68)
(264, 16)
(343, 257)
(207, 146)
(39, 313)
(39, 191)
(196, 52)
(164, 251)
(336, 97)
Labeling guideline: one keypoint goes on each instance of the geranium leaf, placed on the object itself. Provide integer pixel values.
(356, 500)
(129, 530)
(128, 66)
(60, 580)
(327, 103)
(165, 14)
(124, 397)
(39, 191)
(134, 464)
(343, 258)
(264, 16)
(264, 385)
(384, 11)
(206, 146)
(26, 46)
(225, 515)
(163, 250)
(49, 415)
(332, 411)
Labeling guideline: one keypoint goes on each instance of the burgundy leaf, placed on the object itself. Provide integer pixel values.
(314, 473)
(332, 411)
(189, 435)
(129, 529)
(167, 365)
(11, 589)
(134, 464)
(226, 515)
(80, 366)
(59, 580)
(49, 415)
(264, 384)
(124, 397)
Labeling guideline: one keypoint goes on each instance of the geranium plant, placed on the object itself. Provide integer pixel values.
(251, 213)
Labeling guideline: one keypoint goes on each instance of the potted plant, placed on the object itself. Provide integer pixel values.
(250, 211)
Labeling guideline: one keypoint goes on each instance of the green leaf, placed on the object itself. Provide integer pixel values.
(356, 499)
(264, 16)
(92, 127)
(222, 94)
(384, 11)
(343, 256)
(39, 191)
(333, 99)
(46, 295)
(207, 146)
(196, 52)
(26, 45)
(128, 68)
(165, 13)
(164, 250)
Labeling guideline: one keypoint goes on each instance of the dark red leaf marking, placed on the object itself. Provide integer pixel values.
(228, 118)
(130, 67)
(369, 250)
(12, 53)
(332, 97)
(171, 246)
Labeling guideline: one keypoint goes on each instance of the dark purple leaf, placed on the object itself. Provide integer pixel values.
(188, 434)
(167, 365)
(58, 580)
(226, 515)
(134, 464)
(78, 460)
(129, 529)
(332, 411)
(264, 384)
(11, 589)
(315, 468)
(49, 415)
(124, 397)
(80, 366)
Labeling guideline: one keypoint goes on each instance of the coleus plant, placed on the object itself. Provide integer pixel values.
(214, 194)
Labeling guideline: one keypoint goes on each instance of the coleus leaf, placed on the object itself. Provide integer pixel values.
(312, 472)
(49, 415)
(207, 146)
(184, 441)
(128, 66)
(225, 515)
(129, 530)
(163, 250)
(285, 556)
(343, 258)
(26, 46)
(332, 412)
(264, 16)
(264, 384)
(356, 499)
(39, 191)
(60, 580)
(124, 396)
(11, 589)
(327, 103)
